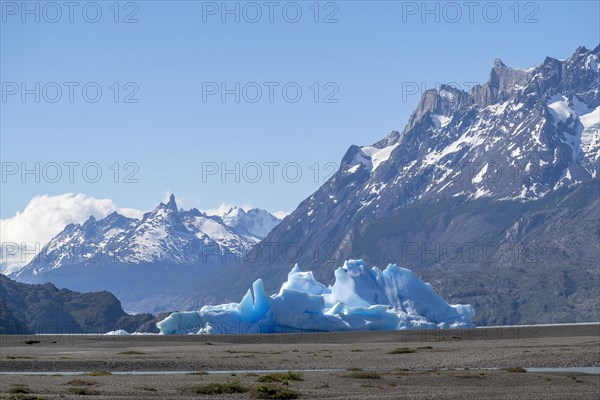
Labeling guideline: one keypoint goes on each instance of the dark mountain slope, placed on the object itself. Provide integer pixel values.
(28, 308)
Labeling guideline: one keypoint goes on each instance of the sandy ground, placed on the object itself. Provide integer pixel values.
(431, 366)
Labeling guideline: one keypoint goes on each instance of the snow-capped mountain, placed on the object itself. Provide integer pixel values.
(184, 242)
(165, 234)
(518, 143)
(256, 222)
(519, 136)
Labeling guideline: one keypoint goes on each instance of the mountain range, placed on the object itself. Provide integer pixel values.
(491, 195)
(146, 260)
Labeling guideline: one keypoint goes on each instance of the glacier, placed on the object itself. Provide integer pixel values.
(361, 299)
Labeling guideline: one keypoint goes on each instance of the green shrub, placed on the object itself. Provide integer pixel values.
(19, 389)
(217, 388)
(281, 377)
(364, 375)
(274, 392)
(515, 369)
(82, 382)
(403, 350)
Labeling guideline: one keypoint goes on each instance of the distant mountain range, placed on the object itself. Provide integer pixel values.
(162, 254)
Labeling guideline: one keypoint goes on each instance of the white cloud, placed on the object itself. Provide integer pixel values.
(281, 214)
(45, 216)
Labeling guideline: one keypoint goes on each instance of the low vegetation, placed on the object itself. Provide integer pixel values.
(9, 357)
(217, 388)
(515, 369)
(273, 392)
(403, 350)
(447, 338)
(480, 375)
(281, 377)
(83, 391)
(364, 375)
(82, 382)
(24, 397)
(20, 389)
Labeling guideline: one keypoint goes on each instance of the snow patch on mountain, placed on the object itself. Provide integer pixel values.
(559, 107)
(440, 121)
(372, 157)
(590, 134)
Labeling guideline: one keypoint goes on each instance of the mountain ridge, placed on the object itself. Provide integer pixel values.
(45, 309)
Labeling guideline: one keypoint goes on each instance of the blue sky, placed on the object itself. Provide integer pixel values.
(178, 50)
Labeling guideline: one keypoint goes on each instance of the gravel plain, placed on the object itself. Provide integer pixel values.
(457, 364)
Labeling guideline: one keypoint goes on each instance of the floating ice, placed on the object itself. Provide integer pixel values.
(361, 299)
(118, 332)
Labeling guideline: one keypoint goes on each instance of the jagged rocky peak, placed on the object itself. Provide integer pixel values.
(577, 74)
(505, 78)
(389, 140)
(502, 80)
(171, 204)
(442, 102)
(163, 209)
(90, 220)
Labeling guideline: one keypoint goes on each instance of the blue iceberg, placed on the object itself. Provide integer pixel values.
(361, 299)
